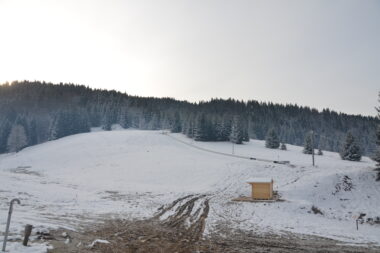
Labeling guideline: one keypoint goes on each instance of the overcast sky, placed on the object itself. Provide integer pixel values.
(316, 53)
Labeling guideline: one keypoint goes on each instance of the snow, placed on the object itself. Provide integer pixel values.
(259, 180)
(17, 247)
(85, 178)
(97, 241)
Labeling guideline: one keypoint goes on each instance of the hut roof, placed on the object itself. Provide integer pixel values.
(259, 180)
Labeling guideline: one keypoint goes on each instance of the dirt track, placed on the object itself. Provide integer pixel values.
(179, 226)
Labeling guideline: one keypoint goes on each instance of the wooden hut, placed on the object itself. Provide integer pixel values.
(262, 188)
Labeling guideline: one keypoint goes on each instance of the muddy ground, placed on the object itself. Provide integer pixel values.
(179, 227)
(155, 237)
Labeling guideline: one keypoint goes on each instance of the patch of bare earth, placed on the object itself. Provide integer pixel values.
(179, 227)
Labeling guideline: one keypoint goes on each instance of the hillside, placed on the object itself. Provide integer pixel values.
(84, 178)
(35, 112)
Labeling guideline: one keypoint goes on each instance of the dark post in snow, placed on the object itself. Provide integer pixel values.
(28, 232)
(312, 147)
(9, 221)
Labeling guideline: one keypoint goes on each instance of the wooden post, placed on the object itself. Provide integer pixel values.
(9, 222)
(28, 232)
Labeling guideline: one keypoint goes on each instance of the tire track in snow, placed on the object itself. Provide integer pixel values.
(183, 215)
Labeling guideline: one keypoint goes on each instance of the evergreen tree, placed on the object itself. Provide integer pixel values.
(245, 131)
(320, 151)
(155, 122)
(210, 129)
(5, 129)
(200, 131)
(176, 126)
(237, 134)
(190, 131)
(58, 126)
(272, 140)
(283, 146)
(22, 121)
(17, 139)
(219, 130)
(83, 108)
(377, 153)
(67, 122)
(308, 144)
(123, 118)
(32, 137)
(107, 121)
(82, 123)
(350, 150)
(225, 129)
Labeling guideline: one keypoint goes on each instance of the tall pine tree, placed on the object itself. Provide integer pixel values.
(5, 129)
(308, 144)
(17, 139)
(377, 154)
(350, 150)
(237, 134)
(271, 140)
(200, 130)
(177, 125)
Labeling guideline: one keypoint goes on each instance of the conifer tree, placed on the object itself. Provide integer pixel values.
(350, 150)
(272, 140)
(155, 122)
(82, 123)
(200, 131)
(17, 139)
(245, 131)
(21, 120)
(58, 126)
(32, 138)
(237, 133)
(377, 153)
(38, 101)
(283, 146)
(107, 122)
(226, 128)
(123, 118)
(5, 129)
(219, 130)
(176, 126)
(67, 122)
(190, 129)
(308, 144)
(320, 151)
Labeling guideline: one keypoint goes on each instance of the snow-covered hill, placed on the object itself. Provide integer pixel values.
(130, 173)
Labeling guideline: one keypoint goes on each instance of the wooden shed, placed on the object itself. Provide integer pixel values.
(262, 188)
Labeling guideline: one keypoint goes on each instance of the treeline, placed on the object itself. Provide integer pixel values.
(34, 112)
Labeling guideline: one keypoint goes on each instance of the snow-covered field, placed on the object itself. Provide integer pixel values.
(130, 173)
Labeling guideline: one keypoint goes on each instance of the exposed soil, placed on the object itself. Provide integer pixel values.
(179, 227)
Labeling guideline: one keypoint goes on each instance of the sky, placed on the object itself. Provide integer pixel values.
(323, 54)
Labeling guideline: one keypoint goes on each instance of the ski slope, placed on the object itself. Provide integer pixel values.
(84, 178)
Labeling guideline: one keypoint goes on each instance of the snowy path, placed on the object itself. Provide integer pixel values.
(191, 144)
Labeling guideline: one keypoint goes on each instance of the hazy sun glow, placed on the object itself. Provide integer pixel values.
(317, 53)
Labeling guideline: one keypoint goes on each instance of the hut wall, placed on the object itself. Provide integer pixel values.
(262, 191)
